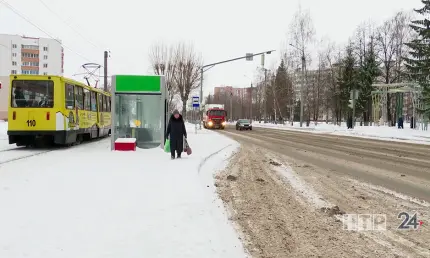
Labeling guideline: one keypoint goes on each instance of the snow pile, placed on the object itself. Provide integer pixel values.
(4, 143)
(87, 201)
(379, 132)
(3, 128)
(300, 185)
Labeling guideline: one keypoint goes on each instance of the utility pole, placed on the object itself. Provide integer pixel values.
(201, 98)
(353, 109)
(414, 101)
(265, 95)
(303, 87)
(231, 106)
(106, 56)
(302, 50)
(265, 87)
(250, 109)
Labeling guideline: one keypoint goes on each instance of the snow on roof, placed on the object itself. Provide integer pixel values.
(125, 140)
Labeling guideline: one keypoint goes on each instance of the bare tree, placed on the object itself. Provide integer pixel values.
(321, 82)
(259, 94)
(187, 72)
(364, 34)
(302, 33)
(391, 36)
(162, 60)
(333, 57)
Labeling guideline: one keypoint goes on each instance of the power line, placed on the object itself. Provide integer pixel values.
(36, 26)
(5, 46)
(60, 18)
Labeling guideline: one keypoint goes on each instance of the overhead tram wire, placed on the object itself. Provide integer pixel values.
(71, 27)
(42, 30)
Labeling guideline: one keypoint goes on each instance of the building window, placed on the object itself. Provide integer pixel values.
(14, 54)
(33, 47)
(45, 57)
(14, 46)
(30, 64)
(45, 73)
(13, 72)
(32, 72)
(45, 65)
(13, 63)
(29, 55)
(45, 48)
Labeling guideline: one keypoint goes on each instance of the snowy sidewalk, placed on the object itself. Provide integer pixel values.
(87, 201)
(378, 132)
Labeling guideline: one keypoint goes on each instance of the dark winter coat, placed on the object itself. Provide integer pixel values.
(176, 130)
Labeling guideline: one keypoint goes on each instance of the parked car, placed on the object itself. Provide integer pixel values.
(243, 124)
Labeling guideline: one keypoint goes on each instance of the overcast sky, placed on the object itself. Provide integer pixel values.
(218, 29)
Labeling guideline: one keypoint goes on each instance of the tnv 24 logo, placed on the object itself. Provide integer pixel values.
(409, 222)
(378, 222)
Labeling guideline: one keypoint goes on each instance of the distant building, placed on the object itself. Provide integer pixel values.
(220, 93)
(27, 55)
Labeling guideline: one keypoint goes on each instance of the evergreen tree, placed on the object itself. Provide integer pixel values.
(283, 87)
(367, 74)
(348, 78)
(418, 65)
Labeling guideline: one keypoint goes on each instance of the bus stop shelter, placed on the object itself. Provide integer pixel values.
(140, 110)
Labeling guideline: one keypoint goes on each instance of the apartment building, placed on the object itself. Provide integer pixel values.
(27, 55)
(223, 91)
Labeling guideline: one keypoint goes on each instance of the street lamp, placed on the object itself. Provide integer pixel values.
(303, 82)
(251, 99)
(248, 57)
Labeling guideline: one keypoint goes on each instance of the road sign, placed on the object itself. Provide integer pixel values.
(249, 56)
(354, 94)
(196, 102)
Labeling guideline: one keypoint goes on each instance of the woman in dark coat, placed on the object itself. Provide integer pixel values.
(176, 130)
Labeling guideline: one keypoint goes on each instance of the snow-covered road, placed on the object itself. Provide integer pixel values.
(376, 132)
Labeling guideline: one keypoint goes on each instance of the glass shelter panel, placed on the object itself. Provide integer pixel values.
(138, 116)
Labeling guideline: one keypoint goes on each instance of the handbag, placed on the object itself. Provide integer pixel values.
(187, 148)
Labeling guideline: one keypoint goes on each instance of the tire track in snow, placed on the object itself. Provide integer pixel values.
(205, 159)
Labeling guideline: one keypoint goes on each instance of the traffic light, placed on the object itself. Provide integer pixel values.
(351, 103)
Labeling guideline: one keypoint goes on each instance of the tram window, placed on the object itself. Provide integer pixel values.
(108, 104)
(100, 102)
(87, 100)
(79, 97)
(32, 93)
(104, 103)
(93, 102)
(70, 96)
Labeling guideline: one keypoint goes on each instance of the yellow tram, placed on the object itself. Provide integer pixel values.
(57, 110)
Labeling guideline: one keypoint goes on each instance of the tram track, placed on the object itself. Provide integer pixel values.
(24, 157)
(11, 149)
(30, 153)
